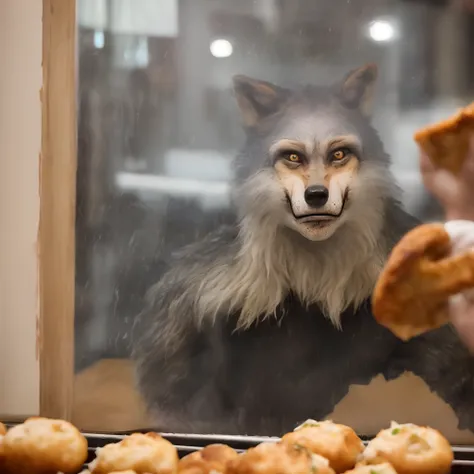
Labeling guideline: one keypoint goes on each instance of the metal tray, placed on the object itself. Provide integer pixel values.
(188, 443)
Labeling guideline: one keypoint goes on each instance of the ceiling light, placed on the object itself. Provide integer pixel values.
(221, 48)
(381, 30)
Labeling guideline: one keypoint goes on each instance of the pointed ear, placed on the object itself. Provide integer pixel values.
(257, 99)
(357, 89)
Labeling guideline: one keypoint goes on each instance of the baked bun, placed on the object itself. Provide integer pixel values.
(44, 446)
(143, 453)
(337, 443)
(211, 459)
(278, 458)
(113, 472)
(3, 429)
(412, 292)
(384, 468)
(410, 449)
(447, 143)
(123, 472)
(2, 453)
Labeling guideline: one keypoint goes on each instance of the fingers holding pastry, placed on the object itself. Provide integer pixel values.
(447, 143)
(461, 233)
(454, 274)
(420, 246)
(404, 300)
(462, 317)
(442, 183)
(447, 163)
(412, 293)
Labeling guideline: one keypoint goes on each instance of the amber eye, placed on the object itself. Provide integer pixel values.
(339, 154)
(293, 157)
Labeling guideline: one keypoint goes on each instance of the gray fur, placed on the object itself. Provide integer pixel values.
(270, 259)
(258, 297)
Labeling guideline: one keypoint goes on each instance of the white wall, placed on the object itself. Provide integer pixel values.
(152, 17)
(20, 143)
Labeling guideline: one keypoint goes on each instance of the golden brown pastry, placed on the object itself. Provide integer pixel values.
(338, 443)
(113, 472)
(384, 468)
(447, 143)
(411, 294)
(2, 455)
(123, 472)
(143, 453)
(211, 459)
(42, 446)
(410, 449)
(278, 458)
(3, 431)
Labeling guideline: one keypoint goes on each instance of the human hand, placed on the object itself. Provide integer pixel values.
(455, 193)
(461, 306)
(461, 313)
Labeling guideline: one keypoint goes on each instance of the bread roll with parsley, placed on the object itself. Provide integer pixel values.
(279, 458)
(410, 449)
(384, 468)
(144, 453)
(212, 459)
(337, 443)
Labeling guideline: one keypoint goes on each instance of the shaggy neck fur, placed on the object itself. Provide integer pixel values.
(271, 261)
(334, 274)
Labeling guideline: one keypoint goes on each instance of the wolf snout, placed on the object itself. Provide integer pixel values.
(316, 196)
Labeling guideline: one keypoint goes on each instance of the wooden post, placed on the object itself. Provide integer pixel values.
(57, 210)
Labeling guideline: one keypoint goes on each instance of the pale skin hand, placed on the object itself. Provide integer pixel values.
(456, 195)
(461, 312)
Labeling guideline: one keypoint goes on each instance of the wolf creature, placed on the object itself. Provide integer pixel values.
(266, 323)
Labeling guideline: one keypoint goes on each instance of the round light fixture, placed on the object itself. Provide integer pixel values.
(221, 48)
(381, 31)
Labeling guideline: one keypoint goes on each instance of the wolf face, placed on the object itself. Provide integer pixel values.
(314, 195)
(312, 160)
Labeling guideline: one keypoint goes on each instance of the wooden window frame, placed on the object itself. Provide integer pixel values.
(56, 237)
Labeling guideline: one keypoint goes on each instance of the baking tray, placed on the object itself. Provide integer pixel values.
(188, 443)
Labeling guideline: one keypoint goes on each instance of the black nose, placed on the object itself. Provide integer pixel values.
(316, 196)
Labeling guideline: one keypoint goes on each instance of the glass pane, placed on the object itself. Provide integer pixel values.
(237, 196)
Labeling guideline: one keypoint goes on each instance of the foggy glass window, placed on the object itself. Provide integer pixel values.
(197, 283)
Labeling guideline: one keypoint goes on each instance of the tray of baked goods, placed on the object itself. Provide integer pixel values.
(48, 446)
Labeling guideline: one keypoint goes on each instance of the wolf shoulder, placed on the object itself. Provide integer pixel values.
(187, 268)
